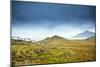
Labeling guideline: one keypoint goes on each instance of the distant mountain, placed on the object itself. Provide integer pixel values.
(54, 40)
(84, 35)
(57, 37)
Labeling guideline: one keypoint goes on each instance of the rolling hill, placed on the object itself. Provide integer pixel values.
(52, 50)
(54, 40)
(91, 38)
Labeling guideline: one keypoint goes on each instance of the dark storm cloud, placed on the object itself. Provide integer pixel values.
(38, 20)
(35, 13)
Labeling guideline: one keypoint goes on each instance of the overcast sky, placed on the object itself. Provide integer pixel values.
(40, 20)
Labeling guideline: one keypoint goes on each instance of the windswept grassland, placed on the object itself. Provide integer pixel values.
(53, 52)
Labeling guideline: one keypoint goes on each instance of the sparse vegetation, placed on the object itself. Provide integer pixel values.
(55, 51)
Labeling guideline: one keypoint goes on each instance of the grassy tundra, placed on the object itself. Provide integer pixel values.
(53, 50)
